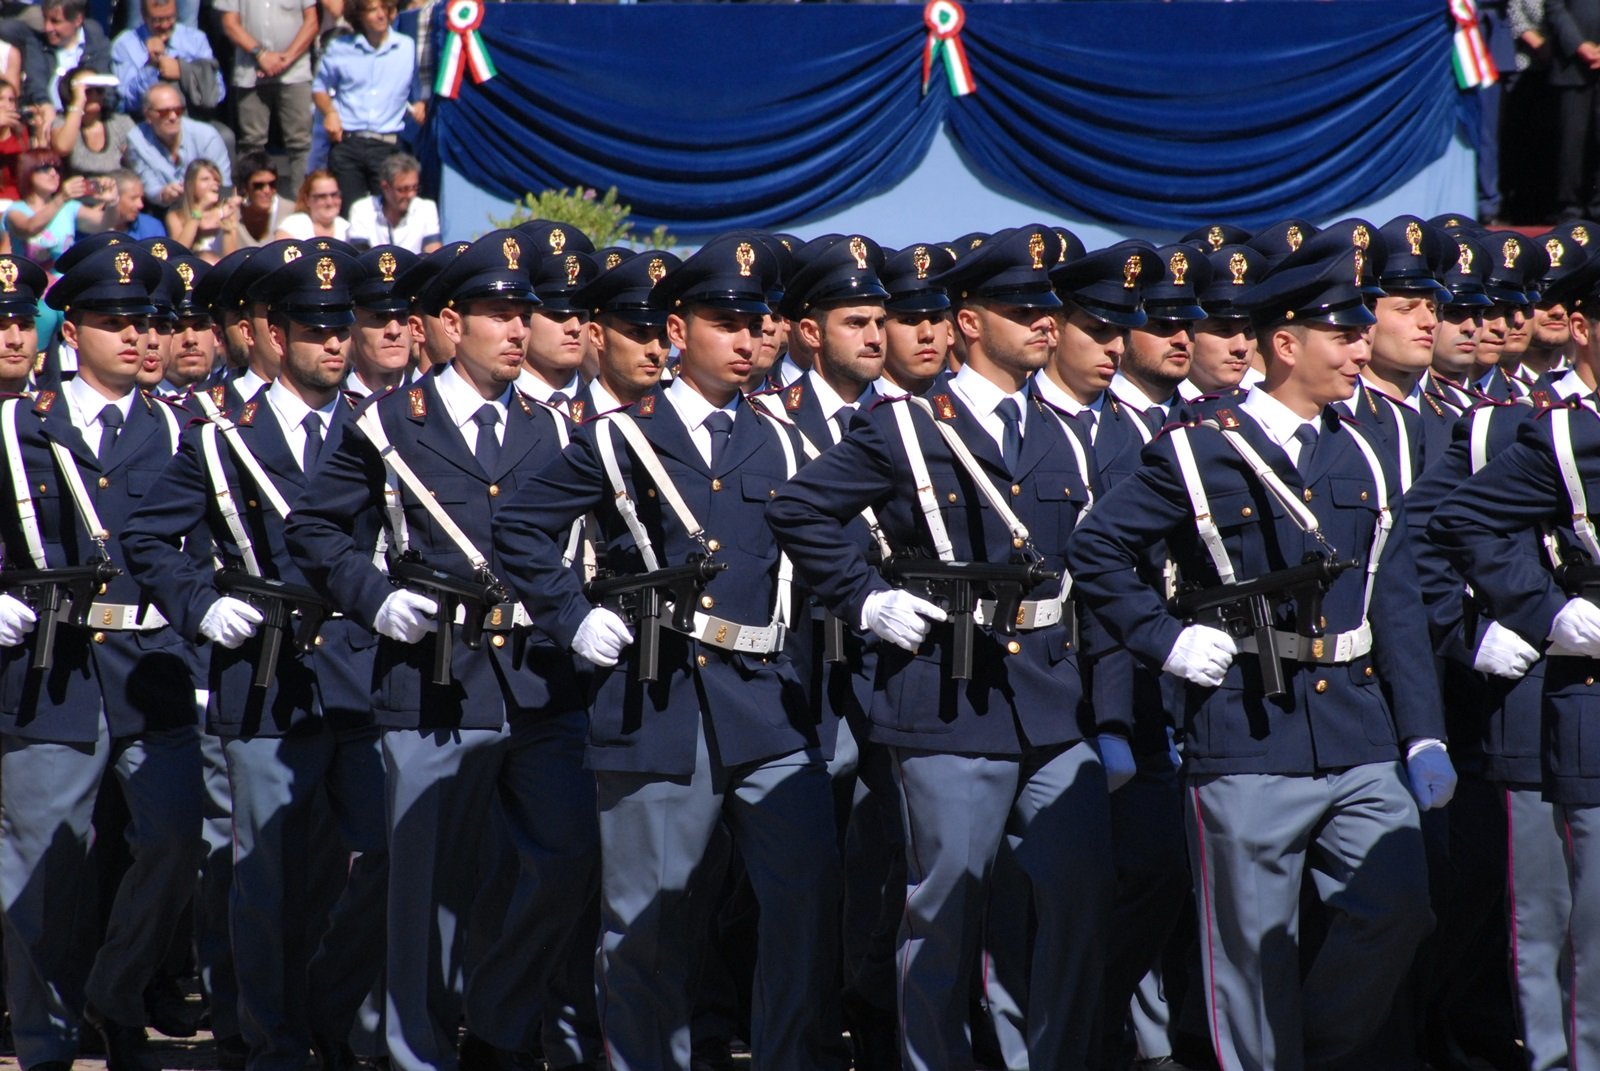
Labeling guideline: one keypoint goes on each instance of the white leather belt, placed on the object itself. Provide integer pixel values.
(732, 636)
(1031, 614)
(1328, 650)
(501, 617)
(123, 617)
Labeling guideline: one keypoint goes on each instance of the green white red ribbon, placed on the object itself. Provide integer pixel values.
(944, 19)
(1474, 66)
(464, 49)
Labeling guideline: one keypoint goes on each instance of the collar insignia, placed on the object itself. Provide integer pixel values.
(647, 405)
(792, 399)
(945, 407)
(419, 402)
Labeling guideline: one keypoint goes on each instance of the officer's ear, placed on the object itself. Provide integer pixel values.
(968, 325)
(677, 331)
(1282, 346)
(450, 320)
(1582, 329)
(247, 332)
(597, 337)
(69, 330)
(810, 328)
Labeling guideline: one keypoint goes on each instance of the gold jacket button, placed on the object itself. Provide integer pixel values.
(99, 637)
(103, 482)
(1308, 494)
(707, 602)
(253, 503)
(700, 660)
(1016, 489)
(1363, 496)
(1322, 686)
(1368, 671)
(317, 642)
(952, 496)
(1247, 512)
(650, 492)
(716, 485)
(494, 490)
(713, 546)
(498, 639)
(1014, 647)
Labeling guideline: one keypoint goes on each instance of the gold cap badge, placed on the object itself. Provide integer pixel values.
(1361, 237)
(123, 262)
(858, 249)
(1464, 261)
(326, 273)
(558, 240)
(573, 268)
(8, 275)
(291, 253)
(512, 249)
(745, 257)
(1580, 235)
(158, 250)
(921, 261)
(1036, 250)
(1292, 238)
(1238, 265)
(656, 270)
(1130, 271)
(612, 260)
(1178, 264)
(1214, 238)
(1414, 237)
(1511, 250)
(1361, 263)
(186, 273)
(387, 265)
(1556, 251)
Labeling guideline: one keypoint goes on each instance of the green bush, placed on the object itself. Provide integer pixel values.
(600, 217)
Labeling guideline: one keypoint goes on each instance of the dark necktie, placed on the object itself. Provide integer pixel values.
(720, 425)
(1307, 435)
(110, 425)
(313, 447)
(841, 418)
(1011, 438)
(488, 450)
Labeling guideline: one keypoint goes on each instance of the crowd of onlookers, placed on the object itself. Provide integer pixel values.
(251, 121)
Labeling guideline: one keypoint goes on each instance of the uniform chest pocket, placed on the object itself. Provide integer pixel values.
(1062, 486)
(139, 481)
(760, 486)
(1234, 509)
(1353, 492)
(454, 490)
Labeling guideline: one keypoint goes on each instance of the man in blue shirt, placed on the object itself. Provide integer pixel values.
(163, 146)
(156, 51)
(363, 90)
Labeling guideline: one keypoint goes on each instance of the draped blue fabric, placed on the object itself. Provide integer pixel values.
(708, 117)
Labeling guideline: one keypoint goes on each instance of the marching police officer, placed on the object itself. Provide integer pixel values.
(380, 341)
(494, 713)
(108, 690)
(627, 335)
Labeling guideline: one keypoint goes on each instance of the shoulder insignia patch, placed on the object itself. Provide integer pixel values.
(1540, 399)
(793, 397)
(219, 395)
(575, 410)
(647, 405)
(247, 415)
(1227, 419)
(46, 399)
(419, 402)
(944, 406)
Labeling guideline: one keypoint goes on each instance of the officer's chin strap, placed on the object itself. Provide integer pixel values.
(750, 639)
(1021, 540)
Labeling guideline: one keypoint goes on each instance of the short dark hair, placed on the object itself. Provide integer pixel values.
(72, 9)
(254, 162)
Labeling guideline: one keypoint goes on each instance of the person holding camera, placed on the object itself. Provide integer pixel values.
(90, 134)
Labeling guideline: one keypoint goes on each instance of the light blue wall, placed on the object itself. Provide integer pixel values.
(942, 199)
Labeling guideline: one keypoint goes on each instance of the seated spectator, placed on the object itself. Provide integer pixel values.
(44, 222)
(14, 140)
(397, 215)
(91, 135)
(69, 40)
(126, 213)
(316, 212)
(203, 219)
(264, 209)
(163, 49)
(162, 147)
(363, 88)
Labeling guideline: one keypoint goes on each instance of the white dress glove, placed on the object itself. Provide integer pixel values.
(601, 637)
(1432, 775)
(1504, 653)
(900, 617)
(229, 622)
(1577, 627)
(1117, 757)
(16, 620)
(406, 616)
(1201, 655)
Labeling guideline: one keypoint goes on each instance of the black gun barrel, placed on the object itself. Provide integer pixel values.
(279, 602)
(55, 595)
(475, 595)
(956, 588)
(641, 599)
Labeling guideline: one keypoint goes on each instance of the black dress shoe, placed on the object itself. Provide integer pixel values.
(124, 1045)
(167, 1009)
(232, 1053)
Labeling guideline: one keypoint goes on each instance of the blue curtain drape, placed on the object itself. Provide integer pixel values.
(1155, 114)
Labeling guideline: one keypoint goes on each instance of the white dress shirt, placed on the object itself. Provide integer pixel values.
(84, 404)
(291, 410)
(462, 401)
(1278, 421)
(693, 408)
(983, 397)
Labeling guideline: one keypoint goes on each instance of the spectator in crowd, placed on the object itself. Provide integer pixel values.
(363, 90)
(396, 215)
(272, 74)
(70, 39)
(14, 139)
(126, 213)
(162, 50)
(90, 134)
(10, 63)
(44, 222)
(1575, 76)
(161, 148)
(203, 219)
(264, 208)
(316, 210)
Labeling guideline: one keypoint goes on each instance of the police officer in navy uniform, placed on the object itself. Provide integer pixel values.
(22, 284)
(381, 345)
(558, 343)
(118, 693)
(1324, 767)
(1513, 268)
(1016, 736)
(311, 727)
(433, 345)
(724, 733)
(508, 723)
(917, 331)
(1224, 359)
(626, 333)
(1491, 530)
